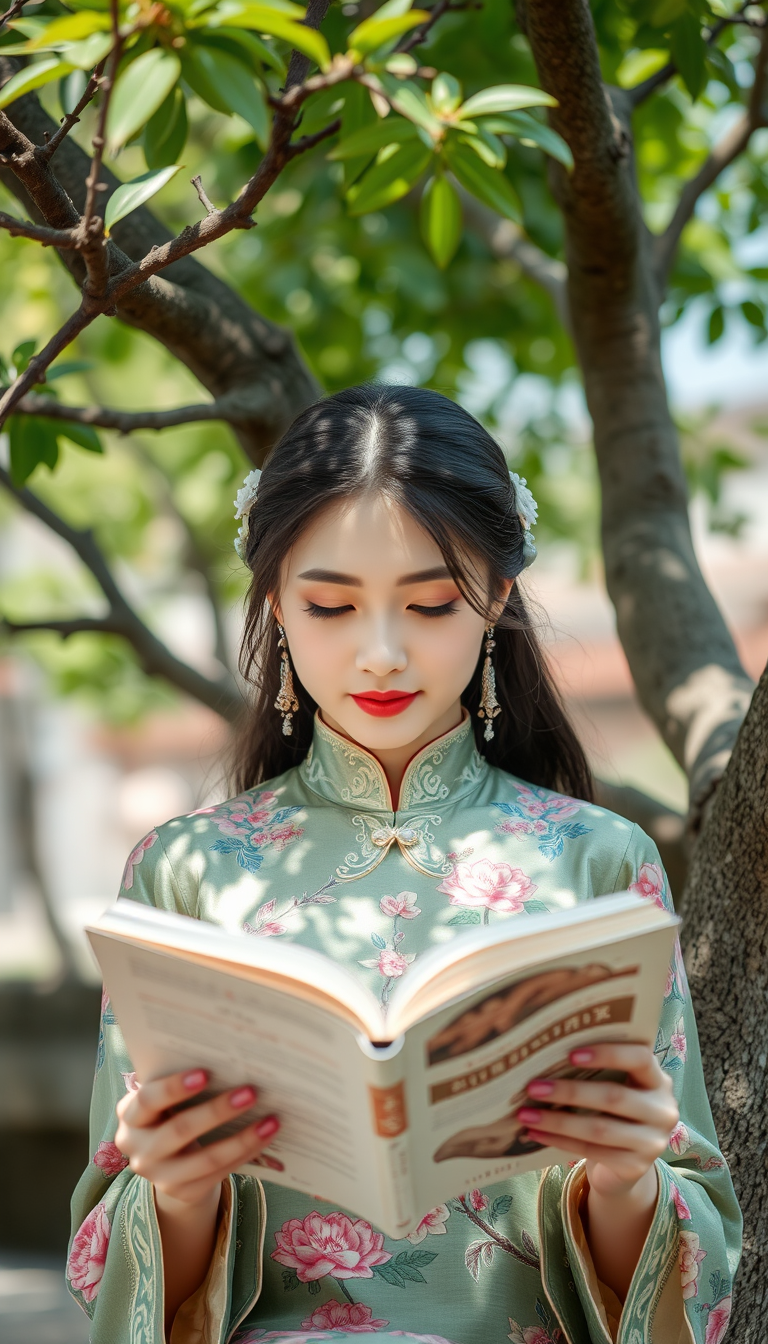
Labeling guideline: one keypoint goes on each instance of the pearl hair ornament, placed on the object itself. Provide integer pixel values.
(527, 511)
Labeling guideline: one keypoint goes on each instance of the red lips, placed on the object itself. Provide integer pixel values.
(384, 704)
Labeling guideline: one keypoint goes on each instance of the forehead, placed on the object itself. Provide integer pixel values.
(369, 536)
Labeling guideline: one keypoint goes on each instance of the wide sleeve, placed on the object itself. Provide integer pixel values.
(681, 1289)
(115, 1263)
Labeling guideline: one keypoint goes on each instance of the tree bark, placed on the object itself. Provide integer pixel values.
(683, 661)
(231, 349)
(726, 905)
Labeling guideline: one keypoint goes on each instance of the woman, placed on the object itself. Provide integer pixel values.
(406, 769)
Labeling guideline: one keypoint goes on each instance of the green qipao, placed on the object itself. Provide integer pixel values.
(319, 857)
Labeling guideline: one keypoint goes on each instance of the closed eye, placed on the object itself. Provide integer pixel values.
(325, 613)
(447, 609)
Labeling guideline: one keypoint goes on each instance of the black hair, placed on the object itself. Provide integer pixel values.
(431, 457)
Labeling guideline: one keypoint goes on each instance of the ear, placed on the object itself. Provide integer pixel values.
(505, 588)
(275, 605)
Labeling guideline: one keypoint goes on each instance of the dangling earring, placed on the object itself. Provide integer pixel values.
(286, 701)
(489, 705)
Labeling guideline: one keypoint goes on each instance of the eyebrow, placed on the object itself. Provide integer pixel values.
(349, 580)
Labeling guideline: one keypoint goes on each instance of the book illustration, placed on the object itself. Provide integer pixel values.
(502, 1010)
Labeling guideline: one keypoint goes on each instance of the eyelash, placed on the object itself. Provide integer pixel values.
(327, 613)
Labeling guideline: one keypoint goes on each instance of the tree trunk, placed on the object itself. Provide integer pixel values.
(727, 961)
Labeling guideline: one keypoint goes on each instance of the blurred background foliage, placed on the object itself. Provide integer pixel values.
(366, 300)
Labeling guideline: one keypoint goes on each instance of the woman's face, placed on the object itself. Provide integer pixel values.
(377, 629)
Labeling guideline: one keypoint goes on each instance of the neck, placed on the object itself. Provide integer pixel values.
(394, 761)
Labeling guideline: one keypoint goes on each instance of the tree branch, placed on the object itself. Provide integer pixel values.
(35, 370)
(46, 151)
(231, 409)
(19, 228)
(646, 87)
(733, 143)
(222, 695)
(11, 13)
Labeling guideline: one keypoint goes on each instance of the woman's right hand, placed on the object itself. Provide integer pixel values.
(165, 1149)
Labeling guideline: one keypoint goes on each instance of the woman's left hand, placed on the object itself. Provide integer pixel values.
(629, 1123)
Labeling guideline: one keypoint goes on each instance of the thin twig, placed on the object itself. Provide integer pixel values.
(78, 625)
(197, 183)
(417, 35)
(107, 84)
(643, 91)
(39, 233)
(35, 370)
(309, 141)
(11, 13)
(45, 153)
(126, 422)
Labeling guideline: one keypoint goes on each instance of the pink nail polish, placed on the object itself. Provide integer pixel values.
(267, 1127)
(528, 1116)
(244, 1096)
(194, 1079)
(582, 1056)
(539, 1087)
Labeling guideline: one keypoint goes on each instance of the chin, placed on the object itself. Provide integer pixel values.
(381, 734)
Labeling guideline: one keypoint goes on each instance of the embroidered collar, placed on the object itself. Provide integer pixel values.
(443, 771)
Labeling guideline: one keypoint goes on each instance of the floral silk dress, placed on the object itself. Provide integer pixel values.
(318, 856)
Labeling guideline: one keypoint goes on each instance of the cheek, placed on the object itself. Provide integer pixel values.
(318, 653)
(450, 652)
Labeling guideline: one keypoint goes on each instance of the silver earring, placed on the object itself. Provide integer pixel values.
(286, 700)
(489, 705)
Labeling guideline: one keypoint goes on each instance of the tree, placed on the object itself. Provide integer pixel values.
(537, 224)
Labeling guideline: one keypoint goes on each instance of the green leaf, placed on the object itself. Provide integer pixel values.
(71, 28)
(689, 52)
(165, 133)
(465, 917)
(314, 1287)
(22, 355)
(536, 908)
(290, 1280)
(410, 1272)
(370, 139)
(390, 1274)
(487, 184)
(278, 23)
(71, 90)
(754, 314)
(500, 1207)
(33, 77)
(32, 442)
(440, 217)
(66, 367)
(640, 65)
(416, 1257)
(446, 93)
(139, 92)
(131, 195)
(86, 54)
(411, 102)
(233, 85)
(487, 147)
(245, 44)
(506, 98)
(666, 11)
(388, 181)
(392, 8)
(716, 325)
(531, 132)
(84, 436)
(375, 32)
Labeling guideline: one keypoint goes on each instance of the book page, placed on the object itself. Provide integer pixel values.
(307, 1064)
(467, 1066)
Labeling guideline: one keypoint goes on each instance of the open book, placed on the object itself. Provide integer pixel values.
(388, 1114)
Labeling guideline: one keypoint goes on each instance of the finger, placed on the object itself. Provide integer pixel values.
(145, 1106)
(174, 1135)
(608, 1157)
(638, 1061)
(630, 1103)
(204, 1163)
(599, 1130)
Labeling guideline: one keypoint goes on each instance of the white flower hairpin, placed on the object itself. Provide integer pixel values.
(244, 502)
(528, 513)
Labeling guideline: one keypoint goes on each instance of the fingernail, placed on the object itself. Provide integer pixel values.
(194, 1079)
(267, 1127)
(582, 1056)
(541, 1088)
(528, 1116)
(244, 1096)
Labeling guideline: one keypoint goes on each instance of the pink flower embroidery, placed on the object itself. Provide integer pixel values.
(104, 1000)
(682, 1208)
(332, 1244)
(272, 930)
(541, 803)
(85, 1265)
(478, 1200)
(402, 906)
(432, 1223)
(392, 964)
(135, 857)
(678, 1041)
(353, 1317)
(690, 1259)
(650, 883)
(531, 1334)
(131, 1082)
(109, 1158)
(494, 885)
(717, 1322)
(679, 1139)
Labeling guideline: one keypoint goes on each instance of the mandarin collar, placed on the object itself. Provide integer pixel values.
(344, 773)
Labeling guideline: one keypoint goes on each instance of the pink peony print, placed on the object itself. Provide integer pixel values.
(402, 906)
(478, 1200)
(690, 1258)
(650, 883)
(678, 1041)
(353, 1317)
(332, 1244)
(496, 886)
(432, 1224)
(679, 1139)
(135, 857)
(682, 1208)
(536, 803)
(531, 1334)
(85, 1265)
(109, 1158)
(390, 963)
(131, 1082)
(717, 1321)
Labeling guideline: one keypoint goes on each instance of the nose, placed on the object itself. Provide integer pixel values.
(381, 652)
